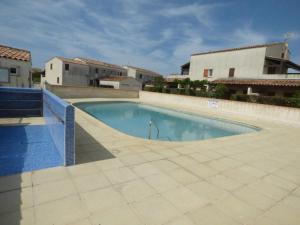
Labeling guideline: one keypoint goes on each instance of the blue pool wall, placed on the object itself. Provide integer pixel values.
(60, 120)
(20, 102)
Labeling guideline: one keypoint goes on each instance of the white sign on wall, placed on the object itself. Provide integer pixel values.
(4, 75)
(212, 103)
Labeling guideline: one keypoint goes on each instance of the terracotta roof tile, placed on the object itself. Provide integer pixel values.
(100, 63)
(260, 82)
(71, 60)
(241, 48)
(14, 53)
(149, 72)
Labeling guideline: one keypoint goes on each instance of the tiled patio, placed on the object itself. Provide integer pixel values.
(246, 179)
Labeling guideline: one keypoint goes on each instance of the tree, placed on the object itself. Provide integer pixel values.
(221, 91)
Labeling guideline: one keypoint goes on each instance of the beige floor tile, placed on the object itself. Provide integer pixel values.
(81, 222)
(283, 215)
(161, 182)
(135, 190)
(183, 161)
(49, 175)
(184, 199)
(102, 199)
(23, 217)
(223, 164)
(109, 164)
(201, 170)
(252, 171)
(279, 182)
(237, 209)
(182, 220)
(82, 169)
(11, 201)
(224, 182)
(15, 181)
(91, 182)
(115, 216)
(132, 159)
(210, 215)
(182, 176)
(167, 153)
(252, 197)
(60, 212)
(269, 190)
(207, 190)
(164, 165)
(297, 191)
(155, 210)
(240, 176)
(292, 202)
(120, 175)
(52, 191)
(145, 169)
(200, 157)
(151, 156)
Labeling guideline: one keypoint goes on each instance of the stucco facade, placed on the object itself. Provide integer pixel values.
(15, 67)
(123, 83)
(140, 74)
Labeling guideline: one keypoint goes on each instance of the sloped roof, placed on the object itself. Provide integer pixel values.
(14, 53)
(260, 82)
(100, 63)
(149, 72)
(240, 48)
(71, 60)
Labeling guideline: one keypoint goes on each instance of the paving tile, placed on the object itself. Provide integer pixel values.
(165, 165)
(182, 176)
(184, 199)
(120, 175)
(82, 169)
(297, 192)
(23, 217)
(200, 157)
(109, 164)
(151, 156)
(17, 181)
(237, 209)
(182, 220)
(116, 216)
(283, 215)
(279, 182)
(210, 215)
(252, 197)
(135, 190)
(81, 222)
(207, 190)
(145, 169)
(132, 159)
(183, 161)
(167, 153)
(52, 191)
(223, 164)
(102, 199)
(91, 182)
(155, 210)
(49, 175)
(269, 190)
(11, 201)
(63, 211)
(161, 182)
(240, 176)
(201, 170)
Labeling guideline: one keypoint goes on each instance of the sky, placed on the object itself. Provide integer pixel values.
(154, 34)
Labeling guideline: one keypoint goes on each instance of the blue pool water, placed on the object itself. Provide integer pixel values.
(134, 118)
(26, 148)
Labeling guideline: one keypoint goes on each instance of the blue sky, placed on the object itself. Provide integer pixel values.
(155, 34)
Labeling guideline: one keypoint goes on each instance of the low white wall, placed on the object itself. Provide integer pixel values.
(90, 92)
(278, 113)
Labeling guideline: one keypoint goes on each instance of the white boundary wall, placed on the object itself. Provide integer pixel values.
(278, 113)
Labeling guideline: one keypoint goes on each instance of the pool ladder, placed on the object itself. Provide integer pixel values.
(151, 123)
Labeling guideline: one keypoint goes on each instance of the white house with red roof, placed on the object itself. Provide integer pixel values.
(15, 67)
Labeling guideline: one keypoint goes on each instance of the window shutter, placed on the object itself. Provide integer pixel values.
(205, 73)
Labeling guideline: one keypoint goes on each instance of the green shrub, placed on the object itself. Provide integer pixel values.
(221, 91)
(146, 88)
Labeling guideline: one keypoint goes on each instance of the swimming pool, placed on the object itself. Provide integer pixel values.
(150, 122)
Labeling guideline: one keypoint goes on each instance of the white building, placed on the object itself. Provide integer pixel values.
(15, 67)
(79, 71)
(142, 75)
(267, 64)
(124, 83)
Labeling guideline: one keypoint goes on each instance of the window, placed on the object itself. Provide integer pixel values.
(120, 73)
(287, 94)
(271, 93)
(141, 76)
(57, 80)
(282, 55)
(231, 72)
(96, 70)
(210, 72)
(271, 70)
(51, 66)
(67, 67)
(13, 70)
(205, 73)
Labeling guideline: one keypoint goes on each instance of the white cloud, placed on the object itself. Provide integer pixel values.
(248, 36)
